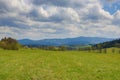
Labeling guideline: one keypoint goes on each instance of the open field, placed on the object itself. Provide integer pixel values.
(27, 64)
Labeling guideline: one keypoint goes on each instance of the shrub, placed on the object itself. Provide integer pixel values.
(9, 44)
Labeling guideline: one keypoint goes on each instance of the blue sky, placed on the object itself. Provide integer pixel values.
(111, 6)
(41, 19)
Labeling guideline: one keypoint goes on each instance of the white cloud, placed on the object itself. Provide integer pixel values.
(116, 20)
(22, 6)
(117, 15)
(39, 19)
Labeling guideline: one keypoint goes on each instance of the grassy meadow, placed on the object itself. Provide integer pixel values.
(27, 64)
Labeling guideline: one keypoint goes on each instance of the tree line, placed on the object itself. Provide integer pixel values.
(114, 43)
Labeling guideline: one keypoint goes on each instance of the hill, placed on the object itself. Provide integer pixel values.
(114, 43)
(66, 41)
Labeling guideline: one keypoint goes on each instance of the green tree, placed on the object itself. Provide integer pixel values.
(105, 50)
(119, 51)
(9, 44)
(113, 50)
(62, 48)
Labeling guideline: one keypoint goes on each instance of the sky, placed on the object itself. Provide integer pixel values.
(44, 19)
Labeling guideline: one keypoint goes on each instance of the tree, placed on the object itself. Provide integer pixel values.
(119, 51)
(113, 50)
(9, 44)
(53, 48)
(100, 50)
(117, 45)
(105, 50)
(62, 48)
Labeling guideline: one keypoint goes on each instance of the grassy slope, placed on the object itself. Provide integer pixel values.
(50, 65)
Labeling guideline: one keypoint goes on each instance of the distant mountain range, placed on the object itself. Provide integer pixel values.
(66, 41)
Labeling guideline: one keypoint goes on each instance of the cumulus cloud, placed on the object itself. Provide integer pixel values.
(38, 19)
(116, 20)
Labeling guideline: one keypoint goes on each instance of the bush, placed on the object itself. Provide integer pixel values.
(9, 44)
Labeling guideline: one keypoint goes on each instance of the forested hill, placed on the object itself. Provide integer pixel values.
(66, 41)
(114, 43)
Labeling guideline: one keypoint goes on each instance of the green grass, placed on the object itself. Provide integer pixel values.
(27, 64)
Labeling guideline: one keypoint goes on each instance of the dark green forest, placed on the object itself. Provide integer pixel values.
(114, 43)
